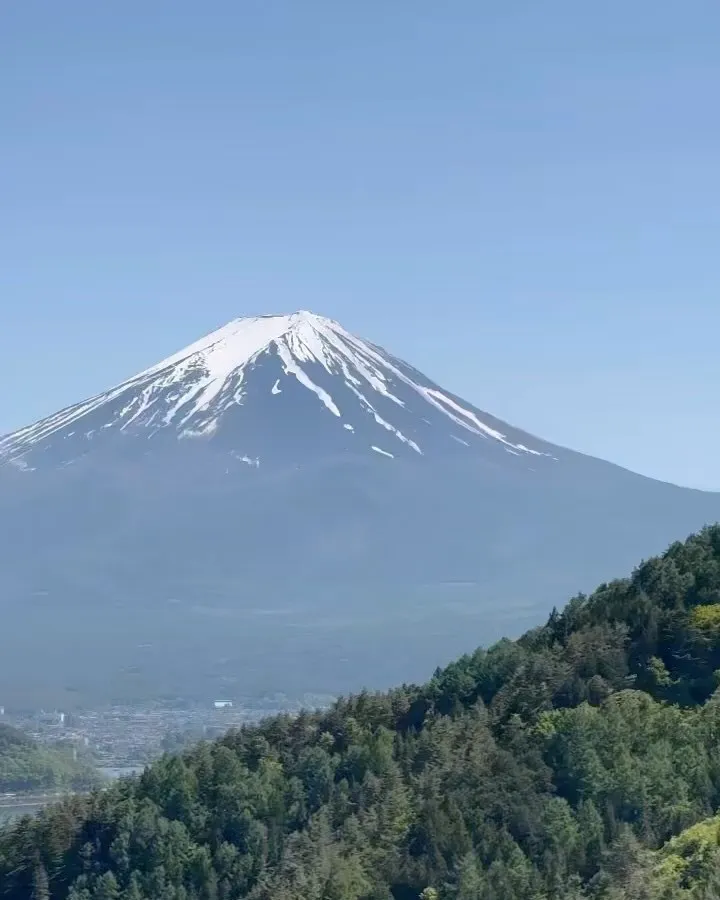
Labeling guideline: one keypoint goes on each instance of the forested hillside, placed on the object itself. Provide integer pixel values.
(25, 766)
(581, 761)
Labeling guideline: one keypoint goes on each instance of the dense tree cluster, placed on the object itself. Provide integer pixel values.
(581, 761)
(25, 766)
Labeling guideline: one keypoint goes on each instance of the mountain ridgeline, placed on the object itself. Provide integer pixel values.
(284, 489)
(580, 761)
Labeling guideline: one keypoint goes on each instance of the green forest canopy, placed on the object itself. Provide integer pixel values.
(580, 761)
(26, 766)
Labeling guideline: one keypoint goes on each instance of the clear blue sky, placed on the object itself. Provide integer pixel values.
(521, 198)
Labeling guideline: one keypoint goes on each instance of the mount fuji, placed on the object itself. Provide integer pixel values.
(275, 390)
(283, 506)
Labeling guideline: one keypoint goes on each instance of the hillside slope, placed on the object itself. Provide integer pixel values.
(556, 766)
(285, 489)
(26, 766)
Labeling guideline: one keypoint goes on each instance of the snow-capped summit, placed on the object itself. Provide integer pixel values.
(269, 387)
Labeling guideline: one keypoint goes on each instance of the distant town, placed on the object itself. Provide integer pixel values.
(121, 739)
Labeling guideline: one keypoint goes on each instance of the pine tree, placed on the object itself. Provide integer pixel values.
(40, 883)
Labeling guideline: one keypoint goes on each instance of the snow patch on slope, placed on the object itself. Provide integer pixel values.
(291, 367)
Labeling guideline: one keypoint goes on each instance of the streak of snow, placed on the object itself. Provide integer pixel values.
(255, 463)
(22, 465)
(380, 421)
(382, 452)
(468, 415)
(431, 395)
(292, 368)
(203, 430)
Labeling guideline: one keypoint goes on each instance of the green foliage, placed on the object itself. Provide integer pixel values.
(706, 618)
(25, 766)
(581, 761)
